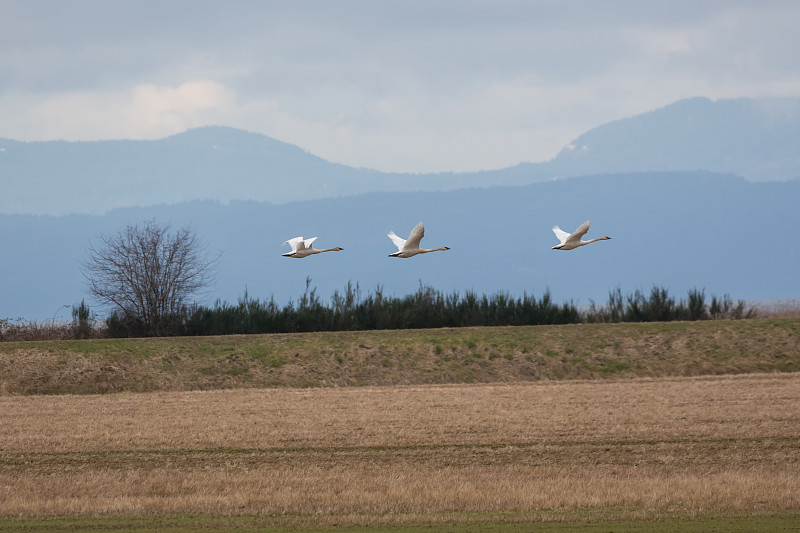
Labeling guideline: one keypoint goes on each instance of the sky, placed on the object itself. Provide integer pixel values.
(397, 86)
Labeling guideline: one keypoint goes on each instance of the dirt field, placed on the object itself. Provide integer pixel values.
(581, 450)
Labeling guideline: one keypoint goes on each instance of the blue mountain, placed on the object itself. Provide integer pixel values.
(755, 139)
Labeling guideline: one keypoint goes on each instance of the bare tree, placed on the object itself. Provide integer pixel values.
(146, 273)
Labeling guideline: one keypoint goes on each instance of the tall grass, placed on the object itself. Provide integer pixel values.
(13, 330)
(84, 325)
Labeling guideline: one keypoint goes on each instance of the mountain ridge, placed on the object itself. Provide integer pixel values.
(742, 129)
(222, 163)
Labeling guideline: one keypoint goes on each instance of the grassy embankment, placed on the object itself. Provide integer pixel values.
(656, 439)
(399, 357)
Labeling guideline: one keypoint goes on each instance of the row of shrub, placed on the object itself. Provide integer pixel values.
(352, 310)
(426, 308)
(661, 307)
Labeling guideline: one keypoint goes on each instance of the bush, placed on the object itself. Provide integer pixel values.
(21, 330)
(82, 321)
(661, 307)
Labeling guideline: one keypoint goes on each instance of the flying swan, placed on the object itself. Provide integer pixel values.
(572, 241)
(303, 248)
(410, 247)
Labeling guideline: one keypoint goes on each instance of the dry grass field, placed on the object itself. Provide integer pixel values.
(636, 449)
(646, 450)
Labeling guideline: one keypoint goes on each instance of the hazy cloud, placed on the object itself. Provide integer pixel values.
(406, 86)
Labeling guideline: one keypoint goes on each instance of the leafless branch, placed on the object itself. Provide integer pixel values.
(147, 272)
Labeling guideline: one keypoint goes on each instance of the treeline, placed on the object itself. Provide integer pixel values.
(351, 310)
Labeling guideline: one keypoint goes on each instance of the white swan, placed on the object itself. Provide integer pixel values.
(303, 248)
(573, 240)
(410, 247)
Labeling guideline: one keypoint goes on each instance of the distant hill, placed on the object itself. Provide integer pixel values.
(676, 230)
(210, 163)
(756, 139)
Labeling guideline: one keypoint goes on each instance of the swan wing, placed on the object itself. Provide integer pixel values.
(416, 236)
(309, 242)
(399, 242)
(580, 232)
(294, 243)
(561, 234)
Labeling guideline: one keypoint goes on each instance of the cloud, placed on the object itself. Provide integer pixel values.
(145, 111)
(150, 108)
(405, 86)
